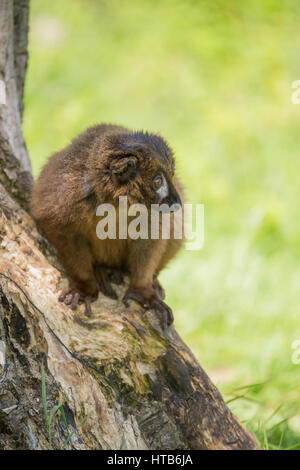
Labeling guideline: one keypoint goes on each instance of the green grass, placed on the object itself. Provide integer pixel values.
(215, 79)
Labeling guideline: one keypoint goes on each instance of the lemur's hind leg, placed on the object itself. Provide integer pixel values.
(116, 275)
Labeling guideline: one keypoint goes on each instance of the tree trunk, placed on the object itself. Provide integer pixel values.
(15, 167)
(119, 378)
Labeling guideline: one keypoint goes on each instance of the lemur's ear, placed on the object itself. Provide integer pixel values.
(124, 168)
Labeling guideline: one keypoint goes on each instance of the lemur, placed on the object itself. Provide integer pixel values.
(99, 166)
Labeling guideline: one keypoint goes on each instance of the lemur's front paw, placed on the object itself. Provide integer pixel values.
(149, 299)
(73, 298)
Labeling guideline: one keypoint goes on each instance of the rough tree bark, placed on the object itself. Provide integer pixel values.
(118, 370)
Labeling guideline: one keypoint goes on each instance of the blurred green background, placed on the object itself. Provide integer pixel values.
(214, 78)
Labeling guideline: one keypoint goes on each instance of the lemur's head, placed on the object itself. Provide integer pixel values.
(137, 165)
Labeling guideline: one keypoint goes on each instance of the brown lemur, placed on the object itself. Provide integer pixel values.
(99, 166)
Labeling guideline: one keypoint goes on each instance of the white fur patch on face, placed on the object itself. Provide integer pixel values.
(163, 190)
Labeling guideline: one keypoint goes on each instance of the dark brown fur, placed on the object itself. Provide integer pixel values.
(88, 172)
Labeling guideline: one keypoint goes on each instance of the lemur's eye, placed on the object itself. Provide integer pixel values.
(157, 182)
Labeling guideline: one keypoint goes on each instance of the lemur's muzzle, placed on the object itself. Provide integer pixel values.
(172, 202)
